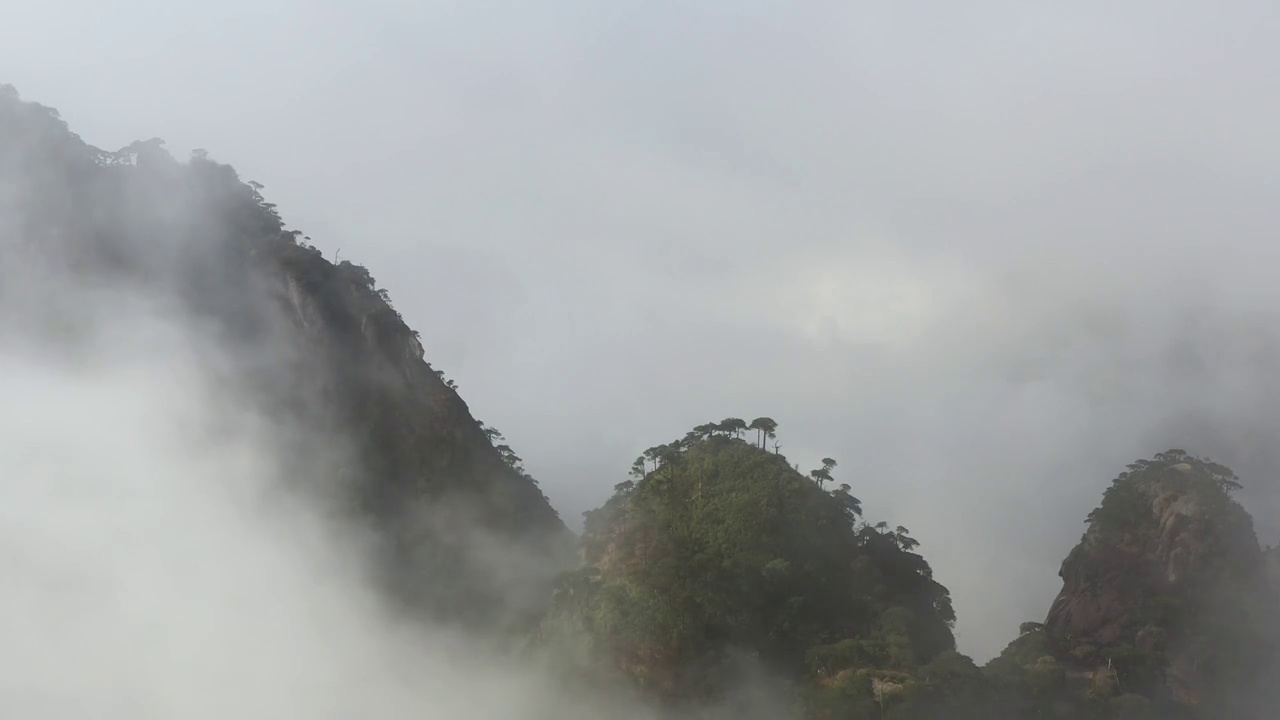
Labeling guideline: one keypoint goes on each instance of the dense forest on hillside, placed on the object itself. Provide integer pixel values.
(716, 562)
(313, 343)
(718, 551)
(718, 546)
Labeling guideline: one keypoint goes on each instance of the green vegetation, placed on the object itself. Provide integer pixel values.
(716, 558)
(346, 365)
(718, 549)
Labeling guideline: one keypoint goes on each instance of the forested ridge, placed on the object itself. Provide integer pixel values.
(717, 555)
(716, 561)
(314, 343)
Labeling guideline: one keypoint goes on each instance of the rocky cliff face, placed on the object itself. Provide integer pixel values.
(1167, 594)
(423, 466)
(313, 343)
(1163, 528)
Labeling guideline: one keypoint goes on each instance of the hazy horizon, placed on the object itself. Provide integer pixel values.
(982, 256)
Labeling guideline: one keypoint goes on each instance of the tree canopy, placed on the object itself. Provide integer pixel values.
(721, 547)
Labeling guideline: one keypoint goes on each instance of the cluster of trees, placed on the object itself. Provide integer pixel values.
(1222, 476)
(716, 546)
(449, 383)
(732, 428)
(652, 458)
(509, 457)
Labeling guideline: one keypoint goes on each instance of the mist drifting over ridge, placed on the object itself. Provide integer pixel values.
(178, 540)
(159, 566)
(982, 230)
(1002, 280)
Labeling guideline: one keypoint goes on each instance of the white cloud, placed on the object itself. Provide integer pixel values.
(866, 294)
(956, 242)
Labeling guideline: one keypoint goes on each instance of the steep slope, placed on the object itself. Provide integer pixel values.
(1167, 597)
(719, 553)
(314, 344)
(716, 561)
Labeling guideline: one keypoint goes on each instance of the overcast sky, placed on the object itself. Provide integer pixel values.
(983, 254)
